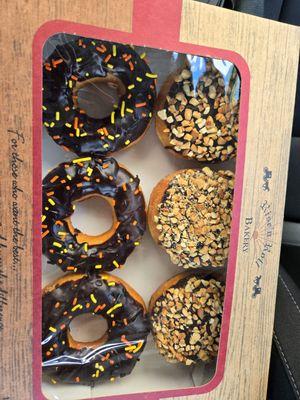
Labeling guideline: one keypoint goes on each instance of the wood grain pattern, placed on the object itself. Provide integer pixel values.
(271, 51)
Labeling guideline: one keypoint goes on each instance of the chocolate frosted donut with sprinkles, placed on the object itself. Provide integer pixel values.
(115, 353)
(77, 180)
(78, 63)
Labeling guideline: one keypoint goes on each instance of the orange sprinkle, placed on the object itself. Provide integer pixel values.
(80, 184)
(131, 66)
(82, 111)
(50, 193)
(127, 236)
(67, 108)
(48, 68)
(137, 191)
(105, 131)
(62, 327)
(124, 187)
(74, 78)
(111, 178)
(60, 261)
(77, 379)
(111, 362)
(134, 223)
(44, 226)
(58, 222)
(55, 345)
(45, 233)
(63, 181)
(48, 353)
(56, 137)
(138, 105)
(75, 123)
(54, 178)
(65, 148)
(107, 58)
(104, 166)
(74, 301)
(86, 178)
(114, 323)
(100, 307)
(125, 321)
(127, 58)
(68, 187)
(87, 305)
(70, 268)
(102, 49)
(100, 254)
(56, 62)
(57, 304)
(129, 356)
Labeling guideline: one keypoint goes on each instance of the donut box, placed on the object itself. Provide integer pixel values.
(155, 144)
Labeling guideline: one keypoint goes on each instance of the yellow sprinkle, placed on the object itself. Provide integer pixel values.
(43, 218)
(87, 74)
(114, 308)
(52, 329)
(114, 50)
(93, 43)
(89, 171)
(83, 134)
(110, 137)
(70, 84)
(131, 87)
(98, 266)
(93, 298)
(112, 117)
(115, 106)
(77, 132)
(52, 202)
(46, 124)
(44, 107)
(139, 79)
(150, 114)
(57, 116)
(116, 264)
(97, 365)
(97, 373)
(112, 379)
(76, 307)
(123, 109)
(129, 110)
(53, 381)
(69, 177)
(101, 368)
(52, 124)
(151, 75)
(68, 125)
(112, 284)
(136, 243)
(85, 247)
(106, 145)
(143, 55)
(127, 142)
(79, 160)
(110, 66)
(138, 347)
(56, 244)
(130, 348)
(79, 59)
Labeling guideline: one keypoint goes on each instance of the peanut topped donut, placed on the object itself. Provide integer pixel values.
(186, 314)
(115, 353)
(189, 215)
(199, 119)
(81, 62)
(77, 180)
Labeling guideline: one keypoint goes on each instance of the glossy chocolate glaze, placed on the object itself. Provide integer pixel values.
(83, 59)
(128, 328)
(74, 180)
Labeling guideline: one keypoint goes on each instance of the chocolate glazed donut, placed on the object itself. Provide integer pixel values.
(113, 355)
(80, 62)
(77, 180)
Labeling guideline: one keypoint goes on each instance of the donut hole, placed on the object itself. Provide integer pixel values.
(99, 97)
(93, 217)
(86, 328)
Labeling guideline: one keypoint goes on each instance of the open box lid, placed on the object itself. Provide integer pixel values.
(268, 53)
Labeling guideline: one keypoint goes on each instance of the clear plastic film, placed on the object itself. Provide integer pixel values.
(98, 240)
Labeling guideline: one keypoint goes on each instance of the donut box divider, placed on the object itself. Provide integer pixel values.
(266, 55)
